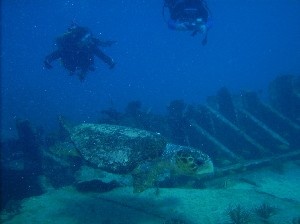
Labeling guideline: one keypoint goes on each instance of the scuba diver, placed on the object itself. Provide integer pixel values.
(77, 49)
(189, 15)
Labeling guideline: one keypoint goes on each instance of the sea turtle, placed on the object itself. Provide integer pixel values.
(143, 154)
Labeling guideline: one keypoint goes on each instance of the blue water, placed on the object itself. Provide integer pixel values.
(250, 43)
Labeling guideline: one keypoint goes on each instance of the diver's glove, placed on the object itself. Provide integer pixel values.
(200, 29)
(112, 64)
(203, 29)
(47, 64)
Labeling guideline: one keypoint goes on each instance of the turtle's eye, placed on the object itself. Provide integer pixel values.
(190, 159)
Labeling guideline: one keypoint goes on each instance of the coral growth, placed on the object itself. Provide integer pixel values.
(238, 215)
(174, 221)
(265, 211)
(296, 220)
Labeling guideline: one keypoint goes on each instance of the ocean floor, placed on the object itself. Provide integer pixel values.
(281, 190)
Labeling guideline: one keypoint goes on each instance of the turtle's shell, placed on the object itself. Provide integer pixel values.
(116, 149)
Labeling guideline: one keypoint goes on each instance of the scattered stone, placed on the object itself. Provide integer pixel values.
(98, 186)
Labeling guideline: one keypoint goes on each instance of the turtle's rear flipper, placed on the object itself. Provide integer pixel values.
(64, 127)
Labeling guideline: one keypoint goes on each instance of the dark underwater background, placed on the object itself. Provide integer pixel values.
(251, 44)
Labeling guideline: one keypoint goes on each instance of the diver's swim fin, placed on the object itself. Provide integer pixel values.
(194, 33)
(204, 41)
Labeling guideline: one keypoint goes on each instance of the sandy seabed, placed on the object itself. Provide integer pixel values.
(165, 206)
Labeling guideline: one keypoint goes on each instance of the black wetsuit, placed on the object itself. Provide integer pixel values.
(77, 49)
(188, 10)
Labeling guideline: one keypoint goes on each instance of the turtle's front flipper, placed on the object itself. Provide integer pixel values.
(147, 174)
